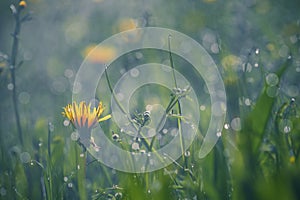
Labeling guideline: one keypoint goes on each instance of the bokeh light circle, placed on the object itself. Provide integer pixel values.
(91, 71)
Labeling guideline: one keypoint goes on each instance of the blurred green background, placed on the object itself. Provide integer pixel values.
(257, 155)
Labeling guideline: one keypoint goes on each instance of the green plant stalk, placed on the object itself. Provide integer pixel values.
(12, 68)
(48, 171)
(178, 103)
(81, 173)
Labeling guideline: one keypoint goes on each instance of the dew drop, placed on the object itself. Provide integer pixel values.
(236, 124)
(66, 122)
(165, 131)
(69, 73)
(70, 185)
(115, 136)
(247, 102)
(187, 153)
(74, 136)
(287, 129)
(138, 55)
(24, 97)
(50, 127)
(65, 179)
(257, 51)
(134, 72)
(272, 79)
(285, 126)
(10, 86)
(226, 126)
(219, 134)
(25, 157)
(81, 155)
(135, 146)
(202, 107)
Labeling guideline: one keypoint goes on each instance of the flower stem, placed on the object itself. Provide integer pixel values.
(12, 68)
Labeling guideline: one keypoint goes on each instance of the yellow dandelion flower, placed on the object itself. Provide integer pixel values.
(23, 4)
(83, 116)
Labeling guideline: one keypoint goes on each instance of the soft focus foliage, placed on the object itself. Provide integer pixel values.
(256, 46)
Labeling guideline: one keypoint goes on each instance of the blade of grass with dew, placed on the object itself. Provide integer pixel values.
(256, 122)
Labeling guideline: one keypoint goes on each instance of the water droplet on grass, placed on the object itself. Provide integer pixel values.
(226, 126)
(134, 72)
(25, 157)
(165, 131)
(247, 102)
(272, 79)
(74, 136)
(236, 124)
(24, 97)
(135, 146)
(66, 122)
(10, 86)
(202, 107)
(285, 126)
(69, 73)
(187, 153)
(287, 129)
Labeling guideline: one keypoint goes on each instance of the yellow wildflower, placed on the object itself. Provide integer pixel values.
(23, 4)
(83, 116)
